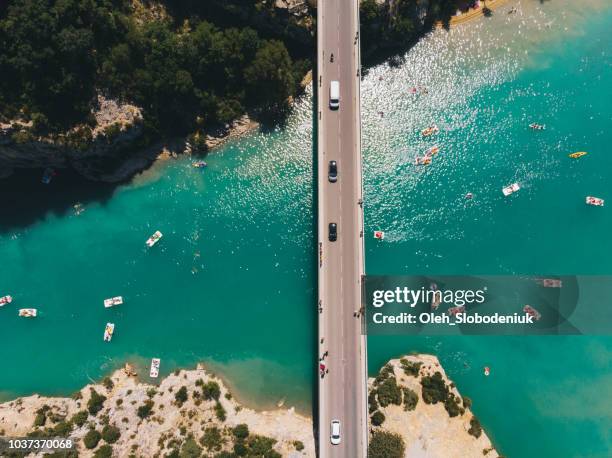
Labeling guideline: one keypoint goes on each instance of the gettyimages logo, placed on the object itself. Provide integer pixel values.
(504, 305)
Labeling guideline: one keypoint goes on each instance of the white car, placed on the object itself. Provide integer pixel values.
(335, 432)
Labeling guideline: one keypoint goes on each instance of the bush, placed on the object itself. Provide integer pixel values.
(434, 389)
(145, 410)
(389, 393)
(299, 445)
(378, 418)
(110, 434)
(452, 406)
(40, 419)
(372, 402)
(220, 412)
(410, 368)
(106, 451)
(190, 449)
(241, 431)
(384, 374)
(181, 396)
(467, 402)
(261, 446)
(108, 383)
(62, 429)
(79, 418)
(211, 390)
(212, 438)
(92, 438)
(386, 445)
(95, 403)
(475, 427)
(411, 399)
(240, 449)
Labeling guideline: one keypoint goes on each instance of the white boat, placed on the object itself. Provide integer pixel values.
(590, 200)
(154, 372)
(108, 332)
(154, 239)
(510, 189)
(199, 164)
(536, 126)
(28, 313)
(5, 300)
(118, 300)
(529, 310)
(380, 235)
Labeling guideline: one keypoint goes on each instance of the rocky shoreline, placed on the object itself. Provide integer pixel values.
(415, 411)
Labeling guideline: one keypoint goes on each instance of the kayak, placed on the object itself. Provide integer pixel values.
(578, 154)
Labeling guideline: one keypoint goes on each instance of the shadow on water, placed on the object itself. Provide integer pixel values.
(25, 200)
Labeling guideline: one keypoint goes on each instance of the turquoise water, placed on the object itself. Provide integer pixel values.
(231, 282)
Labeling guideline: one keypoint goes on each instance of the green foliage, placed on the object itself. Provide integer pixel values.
(269, 77)
(190, 449)
(451, 404)
(40, 419)
(467, 402)
(212, 438)
(145, 410)
(105, 451)
(110, 434)
(181, 395)
(92, 438)
(108, 383)
(410, 368)
(434, 389)
(79, 418)
(261, 446)
(475, 427)
(95, 403)
(377, 418)
(411, 399)
(62, 429)
(299, 445)
(241, 431)
(211, 390)
(384, 374)
(220, 412)
(389, 393)
(372, 402)
(386, 445)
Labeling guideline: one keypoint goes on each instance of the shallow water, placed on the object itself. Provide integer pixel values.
(231, 282)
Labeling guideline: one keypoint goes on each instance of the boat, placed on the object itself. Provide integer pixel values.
(590, 200)
(422, 160)
(48, 175)
(536, 126)
(108, 332)
(455, 310)
(529, 310)
(379, 235)
(510, 189)
(436, 297)
(487, 371)
(469, 195)
(431, 151)
(433, 129)
(28, 313)
(118, 300)
(5, 300)
(577, 154)
(154, 371)
(199, 164)
(154, 239)
(550, 283)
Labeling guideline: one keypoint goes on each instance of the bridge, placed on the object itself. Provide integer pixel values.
(342, 379)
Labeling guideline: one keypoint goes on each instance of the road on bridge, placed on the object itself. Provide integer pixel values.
(343, 387)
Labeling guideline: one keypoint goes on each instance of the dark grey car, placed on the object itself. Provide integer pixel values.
(332, 174)
(333, 232)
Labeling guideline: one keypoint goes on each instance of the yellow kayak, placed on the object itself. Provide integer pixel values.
(578, 154)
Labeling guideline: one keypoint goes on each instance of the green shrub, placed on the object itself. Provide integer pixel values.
(372, 402)
(145, 410)
(240, 449)
(434, 389)
(106, 451)
(107, 383)
(212, 438)
(92, 438)
(40, 419)
(475, 427)
(241, 431)
(299, 445)
(386, 445)
(389, 393)
(384, 374)
(95, 403)
(220, 411)
(260, 446)
(181, 396)
(211, 390)
(411, 399)
(62, 429)
(190, 449)
(452, 406)
(378, 418)
(79, 418)
(410, 368)
(467, 402)
(110, 434)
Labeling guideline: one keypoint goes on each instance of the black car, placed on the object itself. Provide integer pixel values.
(332, 175)
(333, 232)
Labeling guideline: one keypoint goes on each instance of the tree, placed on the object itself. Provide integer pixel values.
(145, 410)
(105, 451)
(378, 418)
(269, 77)
(475, 427)
(389, 393)
(211, 390)
(386, 445)
(95, 403)
(212, 438)
(92, 438)
(241, 431)
(181, 396)
(110, 434)
(190, 449)
(79, 418)
(411, 399)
